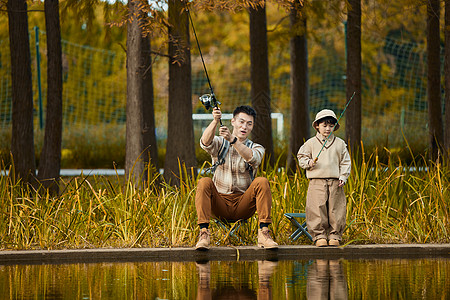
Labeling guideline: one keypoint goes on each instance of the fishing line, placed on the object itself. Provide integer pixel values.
(208, 100)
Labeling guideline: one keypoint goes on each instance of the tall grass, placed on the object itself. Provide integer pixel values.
(398, 203)
(387, 203)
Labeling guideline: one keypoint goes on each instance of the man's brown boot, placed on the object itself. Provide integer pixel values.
(265, 240)
(203, 240)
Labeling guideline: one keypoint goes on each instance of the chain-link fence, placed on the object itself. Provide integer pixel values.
(94, 91)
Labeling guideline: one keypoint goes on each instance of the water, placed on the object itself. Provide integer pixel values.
(303, 279)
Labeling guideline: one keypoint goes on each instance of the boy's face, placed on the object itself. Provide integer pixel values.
(325, 128)
(242, 125)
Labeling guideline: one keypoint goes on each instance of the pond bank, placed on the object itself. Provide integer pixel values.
(285, 252)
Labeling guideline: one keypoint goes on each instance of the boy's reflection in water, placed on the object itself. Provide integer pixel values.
(265, 271)
(326, 280)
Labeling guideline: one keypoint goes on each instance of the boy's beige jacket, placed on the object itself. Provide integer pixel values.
(334, 160)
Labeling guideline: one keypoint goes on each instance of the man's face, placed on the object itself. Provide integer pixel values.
(242, 125)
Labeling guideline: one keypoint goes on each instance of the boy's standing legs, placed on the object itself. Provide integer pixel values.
(316, 209)
(326, 210)
(337, 210)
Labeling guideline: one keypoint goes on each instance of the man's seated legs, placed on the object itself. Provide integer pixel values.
(258, 197)
(205, 195)
(209, 202)
(205, 198)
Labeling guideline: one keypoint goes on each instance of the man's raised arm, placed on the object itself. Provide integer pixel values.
(210, 131)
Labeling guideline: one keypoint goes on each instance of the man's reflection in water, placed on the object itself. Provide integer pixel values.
(326, 280)
(265, 271)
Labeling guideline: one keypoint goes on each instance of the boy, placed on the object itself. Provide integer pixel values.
(327, 174)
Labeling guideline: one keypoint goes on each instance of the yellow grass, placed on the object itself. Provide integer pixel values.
(387, 203)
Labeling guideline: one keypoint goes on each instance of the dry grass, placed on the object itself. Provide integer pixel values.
(387, 203)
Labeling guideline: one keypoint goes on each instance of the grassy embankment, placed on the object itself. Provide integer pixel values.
(387, 203)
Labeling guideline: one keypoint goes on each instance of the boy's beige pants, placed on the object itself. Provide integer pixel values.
(326, 209)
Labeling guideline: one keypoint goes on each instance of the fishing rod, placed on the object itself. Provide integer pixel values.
(332, 129)
(208, 100)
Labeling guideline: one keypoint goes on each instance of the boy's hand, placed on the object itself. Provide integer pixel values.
(312, 163)
(341, 183)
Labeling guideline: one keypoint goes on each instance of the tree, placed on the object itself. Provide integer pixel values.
(259, 78)
(353, 113)
(447, 76)
(434, 78)
(180, 147)
(151, 149)
(300, 123)
(50, 159)
(140, 124)
(22, 142)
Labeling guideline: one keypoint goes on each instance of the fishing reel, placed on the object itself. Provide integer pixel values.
(209, 100)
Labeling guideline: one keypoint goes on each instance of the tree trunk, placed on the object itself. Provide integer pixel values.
(259, 79)
(434, 78)
(300, 123)
(353, 113)
(50, 160)
(447, 77)
(140, 131)
(22, 141)
(151, 147)
(180, 132)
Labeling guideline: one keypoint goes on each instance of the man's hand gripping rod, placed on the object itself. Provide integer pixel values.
(317, 157)
(208, 100)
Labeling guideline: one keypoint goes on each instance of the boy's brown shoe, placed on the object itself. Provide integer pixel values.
(265, 240)
(203, 240)
(334, 243)
(321, 243)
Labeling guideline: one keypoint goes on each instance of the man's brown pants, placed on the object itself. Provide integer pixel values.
(257, 198)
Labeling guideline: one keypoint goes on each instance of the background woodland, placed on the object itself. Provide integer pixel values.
(300, 57)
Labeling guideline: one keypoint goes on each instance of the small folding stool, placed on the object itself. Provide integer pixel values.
(301, 228)
(230, 226)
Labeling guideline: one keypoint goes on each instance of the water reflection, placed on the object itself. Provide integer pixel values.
(300, 279)
(226, 290)
(326, 280)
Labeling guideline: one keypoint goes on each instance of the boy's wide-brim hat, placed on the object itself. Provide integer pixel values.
(323, 114)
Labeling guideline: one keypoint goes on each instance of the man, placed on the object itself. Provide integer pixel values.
(232, 194)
